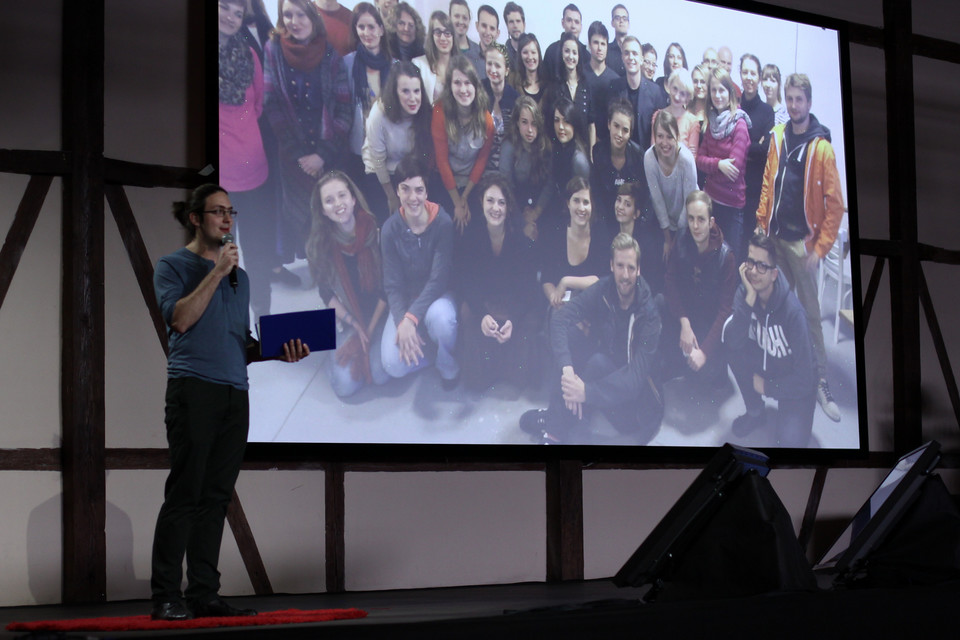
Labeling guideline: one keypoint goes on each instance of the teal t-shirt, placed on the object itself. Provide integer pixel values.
(213, 349)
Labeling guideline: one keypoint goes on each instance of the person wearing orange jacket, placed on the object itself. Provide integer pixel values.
(801, 207)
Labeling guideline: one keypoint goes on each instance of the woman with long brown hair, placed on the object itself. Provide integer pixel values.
(343, 252)
(398, 126)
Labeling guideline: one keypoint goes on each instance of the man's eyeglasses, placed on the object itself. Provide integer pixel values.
(621, 18)
(761, 267)
(223, 212)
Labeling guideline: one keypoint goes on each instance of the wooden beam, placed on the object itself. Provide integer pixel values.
(564, 480)
(29, 459)
(334, 516)
(940, 346)
(249, 552)
(902, 185)
(23, 222)
(813, 505)
(82, 307)
(138, 174)
(35, 163)
(139, 258)
(873, 286)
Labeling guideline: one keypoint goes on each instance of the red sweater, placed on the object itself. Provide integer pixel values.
(711, 152)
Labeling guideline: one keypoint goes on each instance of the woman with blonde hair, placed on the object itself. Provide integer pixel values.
(343, 252)
(698, 100)
(723, 156)
(679, 88)
(770, 81)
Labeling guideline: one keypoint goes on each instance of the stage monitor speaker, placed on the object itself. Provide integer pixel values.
(907, 532)
(728, 535)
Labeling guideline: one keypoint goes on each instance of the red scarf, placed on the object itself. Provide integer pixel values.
(368, 264)
(303, 57)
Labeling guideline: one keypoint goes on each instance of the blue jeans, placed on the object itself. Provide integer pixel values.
(341, 380)
(440, 325)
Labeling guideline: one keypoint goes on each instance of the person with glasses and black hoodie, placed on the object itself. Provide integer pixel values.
(769, 349)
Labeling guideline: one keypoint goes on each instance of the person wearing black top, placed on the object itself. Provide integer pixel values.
(762, 121)
(496, 285)
(643, 94)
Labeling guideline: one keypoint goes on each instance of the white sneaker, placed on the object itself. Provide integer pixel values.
(825, 398)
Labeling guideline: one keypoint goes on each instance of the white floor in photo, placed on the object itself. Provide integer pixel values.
(294, 403)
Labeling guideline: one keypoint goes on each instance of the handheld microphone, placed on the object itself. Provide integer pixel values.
(228, 238)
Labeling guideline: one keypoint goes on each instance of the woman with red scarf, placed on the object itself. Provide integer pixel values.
(307, 101)
(343, 251)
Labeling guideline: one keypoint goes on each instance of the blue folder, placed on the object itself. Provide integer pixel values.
(316, 328)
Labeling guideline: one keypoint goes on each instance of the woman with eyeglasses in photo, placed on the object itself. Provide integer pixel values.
(526, 162)
(343, 252)
(723, 156)
(367, 69)
(309, 108)
(433, 64)
(462, 131)
(398, 126)
(496, 284)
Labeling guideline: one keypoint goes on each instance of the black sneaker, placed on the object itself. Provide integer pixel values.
(742, 425)
(534, 422)
(451, 384)
(218, 608)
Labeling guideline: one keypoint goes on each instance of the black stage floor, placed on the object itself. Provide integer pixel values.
(591, 609)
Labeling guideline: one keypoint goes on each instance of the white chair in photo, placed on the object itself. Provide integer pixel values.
(836, 266)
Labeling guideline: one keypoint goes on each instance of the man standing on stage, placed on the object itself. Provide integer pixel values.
(204, 299)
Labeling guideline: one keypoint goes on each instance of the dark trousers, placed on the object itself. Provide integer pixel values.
(794, 415)
(673, 363)
(258, 238)
(730, 221)
(207, 433)
(589, 366)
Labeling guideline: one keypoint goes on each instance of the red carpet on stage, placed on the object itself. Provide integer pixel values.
(144, 623)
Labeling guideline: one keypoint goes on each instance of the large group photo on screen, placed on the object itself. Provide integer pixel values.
(613, 224)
